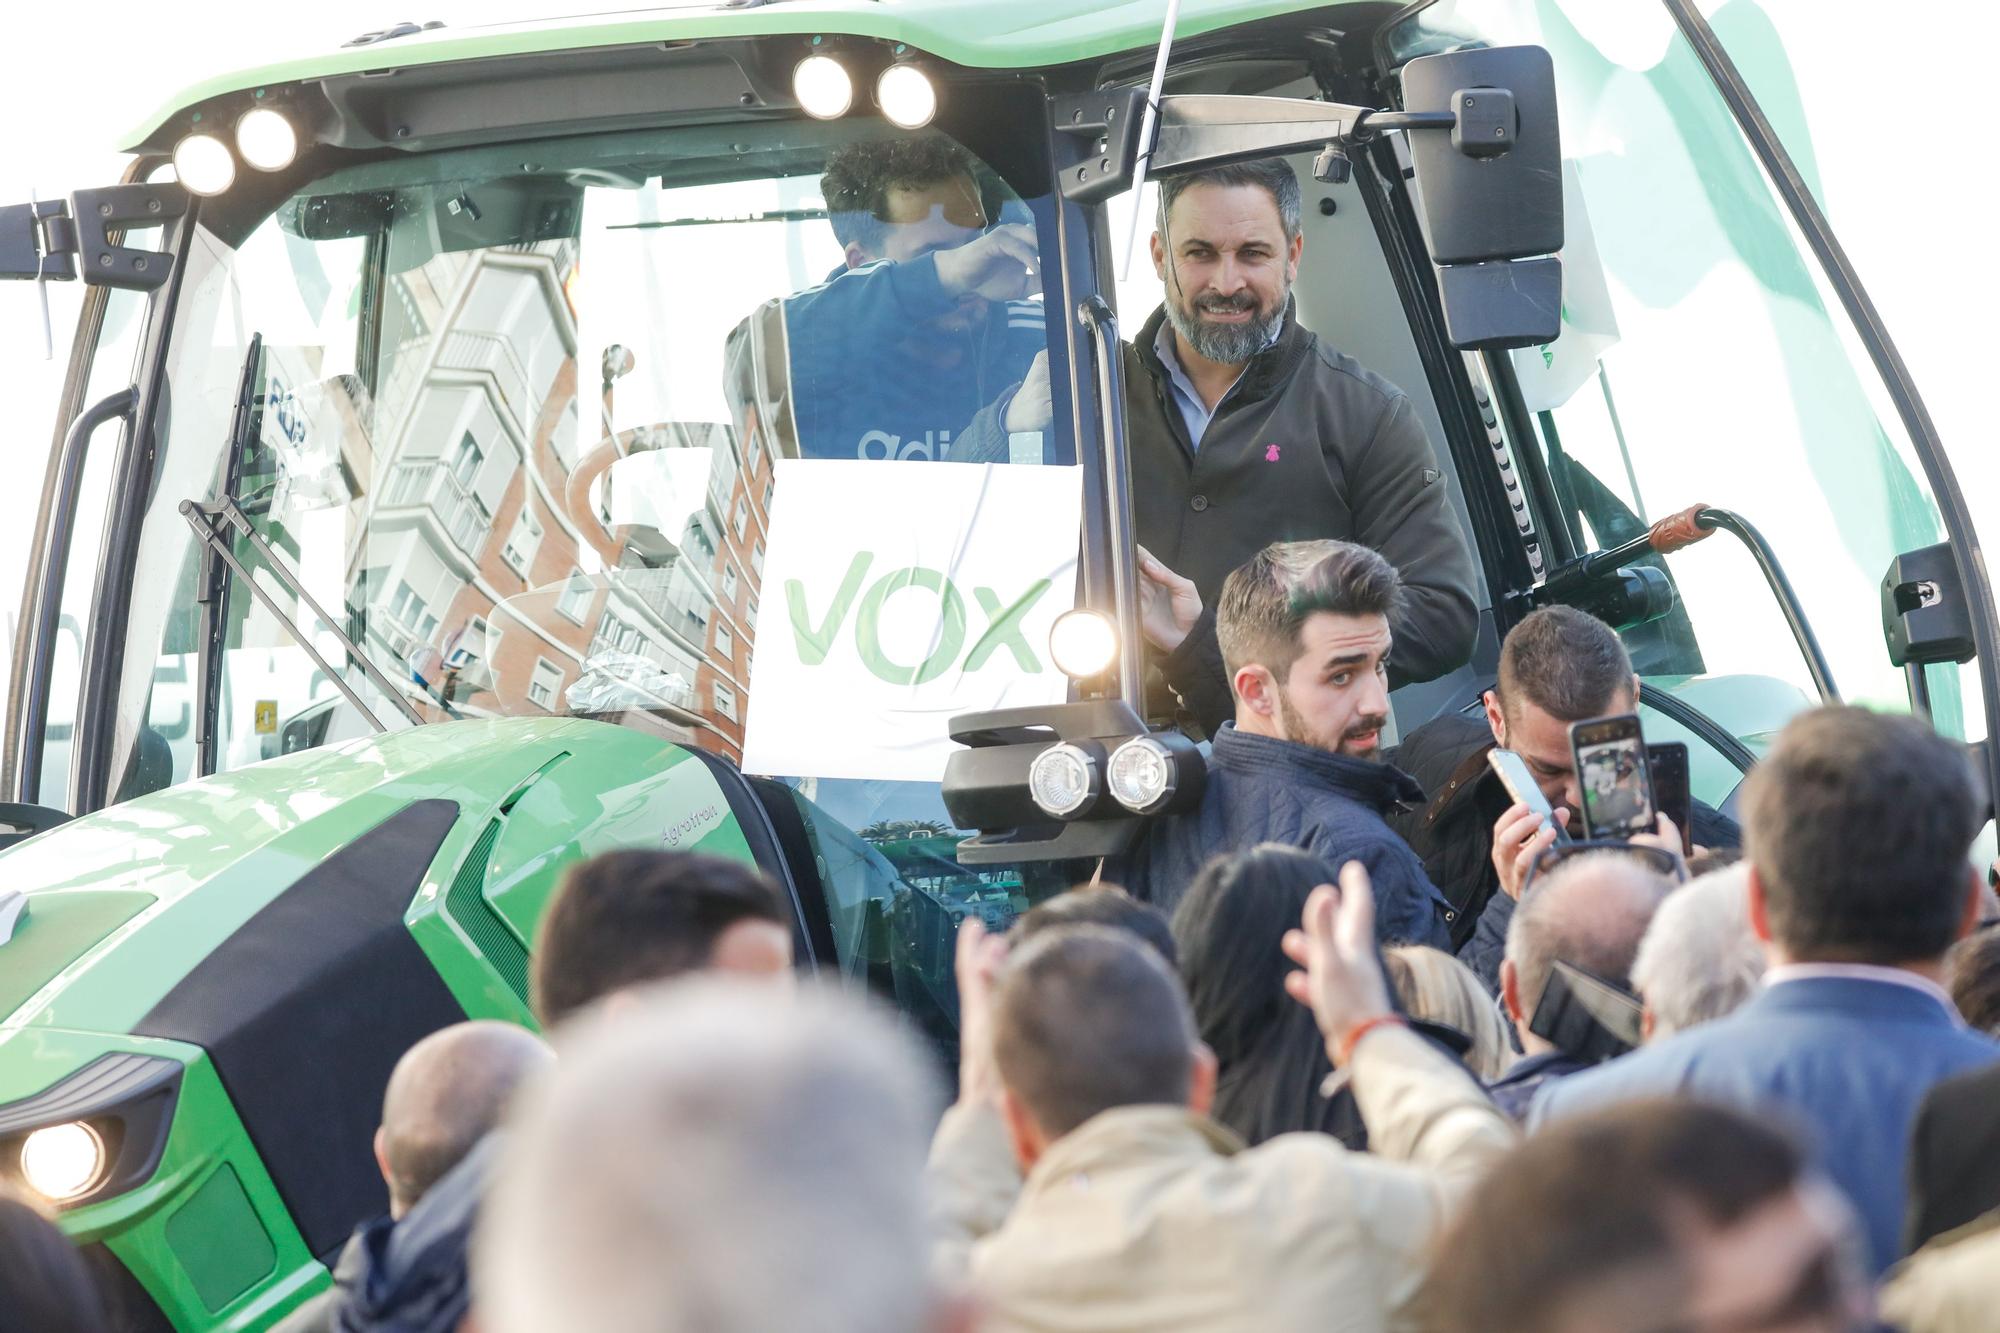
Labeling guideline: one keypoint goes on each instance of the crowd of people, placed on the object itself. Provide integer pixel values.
(1267, 1095)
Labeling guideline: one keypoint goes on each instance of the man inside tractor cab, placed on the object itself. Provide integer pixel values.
(1247, 429)
(921, 346)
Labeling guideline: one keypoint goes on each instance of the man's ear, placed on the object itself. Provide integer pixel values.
(1159, 249)
(856, 256)
(1495, 719)
(1022, 1133)
(1760, 911)
(1257, 687)
(1510, 992)
(1647, 1023)
(1297, 247)
(382, 1156)
(1201, 1079)
(1974, 902)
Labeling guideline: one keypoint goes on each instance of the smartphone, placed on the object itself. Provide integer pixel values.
(1512, 770)
(1667, 763)
(1585, 1016)
(1611, 773)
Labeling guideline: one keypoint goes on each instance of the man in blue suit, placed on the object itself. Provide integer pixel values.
(1859, 830)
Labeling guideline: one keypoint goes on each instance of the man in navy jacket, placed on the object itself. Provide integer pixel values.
(1304, 631)
(1859, 829)
(922, 346)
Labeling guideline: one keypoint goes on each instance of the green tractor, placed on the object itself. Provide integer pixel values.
(443, 421)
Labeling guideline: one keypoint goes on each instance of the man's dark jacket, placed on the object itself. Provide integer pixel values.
(1453, 831)
(1514, 1091)
(407, 1276)
(1954, 1157)
(1307, 444)
(1264, 790)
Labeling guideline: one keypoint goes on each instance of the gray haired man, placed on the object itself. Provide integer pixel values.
(1247, 428)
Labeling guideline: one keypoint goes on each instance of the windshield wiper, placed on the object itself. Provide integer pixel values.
(212, 523)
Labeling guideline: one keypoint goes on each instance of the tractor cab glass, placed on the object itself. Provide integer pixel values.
(745, 439)
(1703, 359)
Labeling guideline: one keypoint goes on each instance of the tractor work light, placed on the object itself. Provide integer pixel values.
(907, 96)
(1083, 643)
(823, 86)
(63, 1162)
(1142, 775)
(1065, 780)
(204, 165)
(266, 140)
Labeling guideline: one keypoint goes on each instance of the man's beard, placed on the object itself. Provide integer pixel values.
(1228, 344)
(1297, 730)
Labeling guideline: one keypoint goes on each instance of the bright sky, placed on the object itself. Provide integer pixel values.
(1903, 196)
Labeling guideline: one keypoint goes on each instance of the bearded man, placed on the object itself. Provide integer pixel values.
(1246, 429)
(1305, 633)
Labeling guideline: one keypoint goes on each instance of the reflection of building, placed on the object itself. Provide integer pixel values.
(491, 575)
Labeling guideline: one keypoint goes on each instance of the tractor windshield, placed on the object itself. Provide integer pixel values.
(744, 437)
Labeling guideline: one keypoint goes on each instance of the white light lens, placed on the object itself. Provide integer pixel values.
(1063, 780)
(823, 86)
(203, 164)
(1141, 775)
(63, 1161)
(266, 139)
(906, 96)
(1083, 644)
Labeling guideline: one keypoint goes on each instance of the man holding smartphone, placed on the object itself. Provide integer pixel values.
(1558, 666)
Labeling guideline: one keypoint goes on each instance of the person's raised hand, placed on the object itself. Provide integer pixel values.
(1519, 836)
(1031, 407)
(978, 960)
(1169, 605)
(1667, 838)
(998, 266)
(1342, 982)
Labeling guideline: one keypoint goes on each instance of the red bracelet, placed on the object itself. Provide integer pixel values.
(1344, 1049)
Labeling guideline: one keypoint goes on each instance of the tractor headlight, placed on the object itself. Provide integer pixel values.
(63, 1162)
(1065, 780)
(204, 165)
(907, 96)
(1083, 643)
(266, 140)
(1150, 775)
(823, 86)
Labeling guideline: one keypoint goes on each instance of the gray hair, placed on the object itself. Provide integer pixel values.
(721, 1157)
(1274, 175)
(1699, 959)
(1590, 912)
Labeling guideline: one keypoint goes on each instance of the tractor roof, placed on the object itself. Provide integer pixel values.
(988, 34)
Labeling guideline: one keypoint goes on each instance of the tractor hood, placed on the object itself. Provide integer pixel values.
(122, 904)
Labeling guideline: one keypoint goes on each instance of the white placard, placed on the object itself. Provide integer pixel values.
(896, 596)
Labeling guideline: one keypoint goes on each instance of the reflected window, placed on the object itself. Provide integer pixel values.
(725, 700)
(725, 644)
(546, 685)
(523, 541)
(574, 603)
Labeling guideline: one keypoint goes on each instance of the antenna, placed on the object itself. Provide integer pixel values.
(1147, 126)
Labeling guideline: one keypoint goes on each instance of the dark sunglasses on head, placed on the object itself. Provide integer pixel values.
(1658, 859)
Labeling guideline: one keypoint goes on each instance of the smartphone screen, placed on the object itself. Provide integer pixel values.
(1667, 763)
(1611, 773)
(1513, 773)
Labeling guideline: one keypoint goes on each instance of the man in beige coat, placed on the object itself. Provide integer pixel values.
(1081, 1065)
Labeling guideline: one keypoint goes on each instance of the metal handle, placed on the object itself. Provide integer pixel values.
(1781, 588)
(47, 615)
(1094, 314)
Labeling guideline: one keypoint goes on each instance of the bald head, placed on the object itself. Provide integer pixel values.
(446, 1093)
(1591, 912)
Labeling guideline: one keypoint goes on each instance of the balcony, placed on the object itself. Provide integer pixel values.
(468, 351)
(425, 483)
